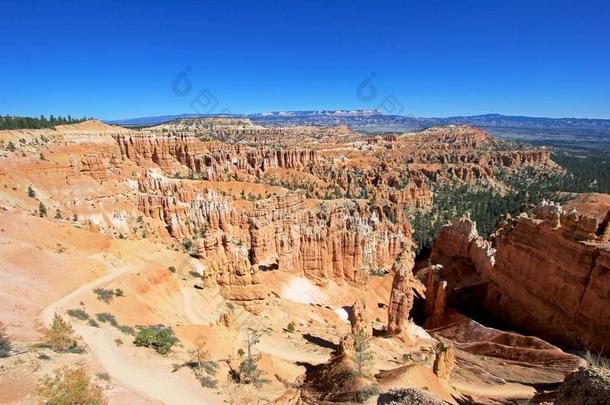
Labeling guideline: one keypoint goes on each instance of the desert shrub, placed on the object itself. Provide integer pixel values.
(103, 376)
(290, 328)
(78, 314)
(172, 269)
(70, 387)
(156, 337)
(107, 317)
(204, 368)
(376, 272)
(60, 337)
(104, 294)
(93, 322)
(240, 352)
(58, 214)
(597, 360)
(208, 382)
(118, 341)
(43, 356)
(42, 210)
(188, 245)
(119, 293)
(31, 192)
(5, 343)
(128, 330)
(364, 395)
(248, 373)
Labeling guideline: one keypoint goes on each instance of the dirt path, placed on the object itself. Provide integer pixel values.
(154, 382)
(48, 312)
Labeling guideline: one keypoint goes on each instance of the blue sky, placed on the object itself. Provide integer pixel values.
(437, 58)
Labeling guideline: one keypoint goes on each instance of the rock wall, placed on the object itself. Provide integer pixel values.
(549, 275)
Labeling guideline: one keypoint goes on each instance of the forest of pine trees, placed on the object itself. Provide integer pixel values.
(17, 122)
(588, 173)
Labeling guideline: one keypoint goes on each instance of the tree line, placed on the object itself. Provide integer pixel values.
(19, 122)
(586, 172)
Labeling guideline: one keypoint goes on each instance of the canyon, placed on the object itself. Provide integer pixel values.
(217, 227)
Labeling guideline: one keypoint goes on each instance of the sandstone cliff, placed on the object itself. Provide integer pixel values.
(548, 276)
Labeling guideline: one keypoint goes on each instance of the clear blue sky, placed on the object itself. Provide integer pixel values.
(111, 59)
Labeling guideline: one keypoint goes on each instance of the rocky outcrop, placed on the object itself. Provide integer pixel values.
(230, 268)
(444, 360)
(435, 304)
(556, 254)
(460, 239)
(538, 261)
(495, 357)
(360, 319)
(209, 160)
(340, 242)
(402, 293)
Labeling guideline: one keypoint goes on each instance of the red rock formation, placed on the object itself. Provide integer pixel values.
(444, 360)
(549, 275)
(402, 295)
(436, 296)
(460, 239)
(359, 318)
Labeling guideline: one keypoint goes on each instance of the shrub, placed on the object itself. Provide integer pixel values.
(203, 367)
(78, 314)
(119, 293)
(128, 330)
(208, 382)
(376, 272)
(31, 192)
(363, 396)
(93, 322)
(104, 294)
(290, 328)
(172, 269)
(188, 244)
(248, 373)
(103, 376)
(106, 317)
(70, 387)
(60, 337)
(156, 337)
(57, 214)
(240, 352)
(597, 360)
(5, 343)
(42, 210)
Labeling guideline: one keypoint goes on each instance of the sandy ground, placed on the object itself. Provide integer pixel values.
(154, 379)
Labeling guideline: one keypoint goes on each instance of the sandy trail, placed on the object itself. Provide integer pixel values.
(48, 312)
(158, 384)
(193, 314)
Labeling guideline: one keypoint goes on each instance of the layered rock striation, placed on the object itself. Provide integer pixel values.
(549, 275)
